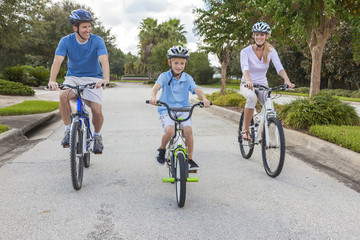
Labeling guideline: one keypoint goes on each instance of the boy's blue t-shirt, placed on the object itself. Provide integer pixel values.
(177, 94)
(83, 59)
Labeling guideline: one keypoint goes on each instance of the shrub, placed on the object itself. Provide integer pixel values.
(41, 74)
(14, 88)
(302, 90)
(345, 136)
(15, 74)
(231, 98)
(321, 109)
(356, 94)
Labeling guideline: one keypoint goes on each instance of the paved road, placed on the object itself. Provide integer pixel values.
(123, 196)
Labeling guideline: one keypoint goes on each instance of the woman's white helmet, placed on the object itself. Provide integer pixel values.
(261, 27)
(178, 52)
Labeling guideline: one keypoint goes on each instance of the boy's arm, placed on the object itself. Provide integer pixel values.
(202, 96)
(154, 91)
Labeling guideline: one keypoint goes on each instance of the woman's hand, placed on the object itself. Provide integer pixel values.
(249, 84)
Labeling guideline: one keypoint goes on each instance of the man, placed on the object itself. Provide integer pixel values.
(87, 63)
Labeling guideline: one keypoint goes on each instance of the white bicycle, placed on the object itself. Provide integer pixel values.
(265, 129)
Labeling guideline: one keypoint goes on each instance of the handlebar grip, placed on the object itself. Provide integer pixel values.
(147, 101)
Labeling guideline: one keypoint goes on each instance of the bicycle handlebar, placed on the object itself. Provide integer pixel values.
(282, 87)
(183, 109)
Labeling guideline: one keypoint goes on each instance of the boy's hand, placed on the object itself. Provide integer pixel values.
(153, 101)
(206, 103)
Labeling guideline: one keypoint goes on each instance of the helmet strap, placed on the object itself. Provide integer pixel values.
(174, 75)
(259, 46)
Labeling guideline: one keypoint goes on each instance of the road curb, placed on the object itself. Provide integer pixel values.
(16, 134)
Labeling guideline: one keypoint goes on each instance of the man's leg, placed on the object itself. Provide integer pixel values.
(97, 121)
(65, 111)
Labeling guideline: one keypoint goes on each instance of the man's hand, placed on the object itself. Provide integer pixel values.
(206, 103)
(153, 100)
(100, 83)
(53, 85)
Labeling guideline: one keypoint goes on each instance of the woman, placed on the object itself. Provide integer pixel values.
(255, 61)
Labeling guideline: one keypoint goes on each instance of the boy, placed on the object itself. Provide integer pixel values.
(176, 85)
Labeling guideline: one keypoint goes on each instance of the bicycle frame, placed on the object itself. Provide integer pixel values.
(266, 112)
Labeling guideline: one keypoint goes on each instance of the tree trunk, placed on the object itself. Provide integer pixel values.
(223, 77)
(329, 86)
(316, 56)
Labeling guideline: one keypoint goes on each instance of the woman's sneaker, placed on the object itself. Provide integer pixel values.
(66, 140)
(192, 165)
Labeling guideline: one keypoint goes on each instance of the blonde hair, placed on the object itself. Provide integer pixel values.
(267, 49)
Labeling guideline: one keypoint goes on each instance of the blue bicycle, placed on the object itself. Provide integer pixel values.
(80, 136)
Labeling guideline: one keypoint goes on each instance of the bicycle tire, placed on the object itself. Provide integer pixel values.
(76, 158)
(246, 147)
(180, 178)
(87, 155)
(273, 155)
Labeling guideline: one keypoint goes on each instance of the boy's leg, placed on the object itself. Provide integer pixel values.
(168, 134)
(189, 139)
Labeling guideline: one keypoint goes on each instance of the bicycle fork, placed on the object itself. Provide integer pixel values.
(178, 146)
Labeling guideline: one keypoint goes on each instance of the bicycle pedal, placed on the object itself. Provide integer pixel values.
(192, 171)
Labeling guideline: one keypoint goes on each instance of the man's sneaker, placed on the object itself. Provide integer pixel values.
(161, 156)
(66, 140)
(98, 145)
(192, 165)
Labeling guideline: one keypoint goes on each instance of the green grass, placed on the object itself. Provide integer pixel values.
(345, 136)
(29, 107)
(3, 128)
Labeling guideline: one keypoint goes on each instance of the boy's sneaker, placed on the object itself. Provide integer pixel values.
(192, 165)
(98, 145)
(66, 140)
(161, 156)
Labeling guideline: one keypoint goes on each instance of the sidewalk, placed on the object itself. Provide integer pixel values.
(22, 124)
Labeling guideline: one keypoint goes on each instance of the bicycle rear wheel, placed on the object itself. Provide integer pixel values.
(180, 178)
(246, 147)
(76, 155)
(273, 154)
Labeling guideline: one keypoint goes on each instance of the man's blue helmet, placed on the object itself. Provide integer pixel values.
(80, 16)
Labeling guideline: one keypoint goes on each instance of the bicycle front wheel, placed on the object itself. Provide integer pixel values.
(273, 148)
(76, 155)
(180, 178)
(87, 154)
(246, 147)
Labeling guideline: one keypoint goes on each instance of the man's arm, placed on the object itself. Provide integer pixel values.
(202, 96)
(55, 67)
(104, 61)
(154, 91)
